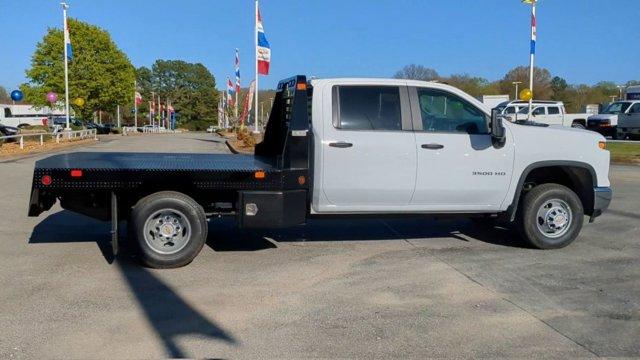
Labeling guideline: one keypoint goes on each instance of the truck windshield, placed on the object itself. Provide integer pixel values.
(617, 108)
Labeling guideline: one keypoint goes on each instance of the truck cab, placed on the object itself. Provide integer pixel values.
(606, 123)
(346, 148)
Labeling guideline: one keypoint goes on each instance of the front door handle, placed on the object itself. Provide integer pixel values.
(432, 146)
(341, 144)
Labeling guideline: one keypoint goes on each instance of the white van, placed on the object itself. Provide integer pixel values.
(8, 118)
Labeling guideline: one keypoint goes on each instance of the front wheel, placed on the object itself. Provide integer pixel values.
(170, 229)
(551, 216)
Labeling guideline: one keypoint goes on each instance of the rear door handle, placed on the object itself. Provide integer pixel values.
(341, 144)
(432, 146)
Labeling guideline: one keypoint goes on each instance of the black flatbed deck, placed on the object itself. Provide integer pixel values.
(102, 170)
(155, 162)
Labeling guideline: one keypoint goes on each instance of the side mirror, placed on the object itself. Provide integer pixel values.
(497, 129)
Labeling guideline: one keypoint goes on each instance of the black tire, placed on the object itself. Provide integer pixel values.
(534, 201)
(578, 125)
(614, 135)
(191, 216)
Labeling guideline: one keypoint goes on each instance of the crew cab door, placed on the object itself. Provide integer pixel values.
(368, 149)
(459, 169)
(555, 116)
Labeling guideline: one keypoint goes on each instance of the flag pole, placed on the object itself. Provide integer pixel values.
(534, 36)
(255, 107)
(135, 103)
(66, 62)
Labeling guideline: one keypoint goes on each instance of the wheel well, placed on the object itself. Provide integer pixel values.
(579, 179)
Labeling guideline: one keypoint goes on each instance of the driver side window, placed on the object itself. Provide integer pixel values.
(443, 112)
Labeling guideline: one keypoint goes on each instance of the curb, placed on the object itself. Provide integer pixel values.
(231, 148)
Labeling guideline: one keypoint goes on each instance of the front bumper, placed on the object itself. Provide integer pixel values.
(601, 199)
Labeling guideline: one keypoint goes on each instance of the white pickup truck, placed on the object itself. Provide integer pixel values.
(345, 148)
(552, 113)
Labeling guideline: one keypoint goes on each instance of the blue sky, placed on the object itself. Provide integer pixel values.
(584, 41)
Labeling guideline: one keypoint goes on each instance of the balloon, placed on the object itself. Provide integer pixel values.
(526, 95)
(17, 95)
(52, 97)
(79, 102)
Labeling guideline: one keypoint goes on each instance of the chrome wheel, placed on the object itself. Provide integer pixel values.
(554, 218)
(167, 231)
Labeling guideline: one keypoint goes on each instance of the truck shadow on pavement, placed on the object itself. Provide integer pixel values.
(224, 236)
(170, 316)
(167, 312)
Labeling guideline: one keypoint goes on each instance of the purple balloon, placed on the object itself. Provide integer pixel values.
(52, 97)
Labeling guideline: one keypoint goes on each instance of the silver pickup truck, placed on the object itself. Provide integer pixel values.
(629, 123)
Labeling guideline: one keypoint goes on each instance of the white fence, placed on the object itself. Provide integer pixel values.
(64, 135)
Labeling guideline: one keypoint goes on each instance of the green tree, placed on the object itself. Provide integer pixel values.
(558, 87)
(4, 95)
(417, 72)
(472, 85)
(100, 73)
(541, 81)
(191, 88)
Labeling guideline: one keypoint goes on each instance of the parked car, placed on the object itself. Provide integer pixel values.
(344, 148)
(100, 129)
(8, 130)
(62, 121)
(211, 129)
(606, 123)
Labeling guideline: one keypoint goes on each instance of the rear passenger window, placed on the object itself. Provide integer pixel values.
(538, 111)
(553, 110)
(368, 108)
(447, 113)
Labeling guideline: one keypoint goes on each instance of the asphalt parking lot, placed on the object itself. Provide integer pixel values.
(332, 288)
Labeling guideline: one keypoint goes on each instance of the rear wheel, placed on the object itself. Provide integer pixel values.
(578, 125)
(170, 229)
(551, 216)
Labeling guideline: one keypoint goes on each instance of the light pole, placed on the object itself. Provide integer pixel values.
(516, 83)
(620, 87)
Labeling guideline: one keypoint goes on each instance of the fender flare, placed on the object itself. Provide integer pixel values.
(512, 209)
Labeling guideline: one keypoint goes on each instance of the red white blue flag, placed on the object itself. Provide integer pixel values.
(264, 50)
(534, 35)
(67, 42)
(237, 65)
(229, 91)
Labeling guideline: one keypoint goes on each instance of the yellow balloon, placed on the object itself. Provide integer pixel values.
(79, 102)
(526, 95)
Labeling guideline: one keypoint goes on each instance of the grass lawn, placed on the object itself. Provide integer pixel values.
(624, 152)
